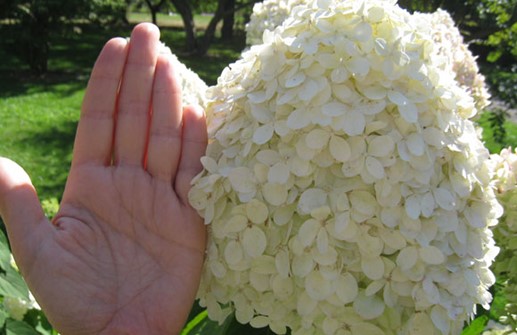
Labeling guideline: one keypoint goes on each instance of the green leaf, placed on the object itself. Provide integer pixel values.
(3, 317)
(5, 252)
(13, 285)
(476, 327)
(15, 327)
(202, 325)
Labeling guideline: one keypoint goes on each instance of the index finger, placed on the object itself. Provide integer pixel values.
(94, 137)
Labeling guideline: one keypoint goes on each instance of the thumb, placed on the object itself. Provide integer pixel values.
(19, 206)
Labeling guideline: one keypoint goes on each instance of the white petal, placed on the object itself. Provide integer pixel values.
(374, 92)
(236, 224)
(311, 199)
(427, 204)
(394, 239)
(254, 241)
(302, 265)
(416, 145)
(308, 232)
(233, 252)
(368, 307)
(421, 324)
(407, 258)
(374, 167)
(259, 321)
(259, 281)
(241, 179)
(282, 287)
(282, 263)
(363, 202)
(339, 149)
(317, 139)
(432, 255)
(256, 211)
(263, 133)
(305, 304)
(334, 109)
(397, 98)
(283, 215)
(339, 75)
(358, 66)
(295, 80)
(363, 32)
(381, 146)
(441, 319)
(373, 268)
(322, 241)
(346, 288)
(374, 287)
(412, 206)
(444, 198)
(317, 286)
(274, 193)
(409, 112)
(364, 328)
(279, 173)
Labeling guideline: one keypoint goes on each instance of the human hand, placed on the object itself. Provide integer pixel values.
(124, 253)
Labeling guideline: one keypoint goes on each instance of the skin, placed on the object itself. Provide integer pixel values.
(124, 253)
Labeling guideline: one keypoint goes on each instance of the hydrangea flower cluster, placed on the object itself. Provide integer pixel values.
(193, 88)
(505, 233)
(460, 59)
(267, 15)
(494, 328)
(449, 42)
(345, 188)
(16, 308)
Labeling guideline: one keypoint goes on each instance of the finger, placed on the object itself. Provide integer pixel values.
(135, 95)
(164, 145)
(94, 137)
(193, 147)
(20, 209)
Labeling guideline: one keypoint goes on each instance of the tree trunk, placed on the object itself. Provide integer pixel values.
(228, 20)
(184, 9)
(154, 9)
(208, 37)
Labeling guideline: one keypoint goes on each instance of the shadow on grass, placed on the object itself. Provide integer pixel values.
(21, 82)
(51, 158)
(71, 58)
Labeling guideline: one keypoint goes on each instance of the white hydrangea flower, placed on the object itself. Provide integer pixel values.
(505, 233)
(494, 328)
(460, 59)
(267, 15)
(345, 188)
(16, 308)
(193, 88)
(450, 47)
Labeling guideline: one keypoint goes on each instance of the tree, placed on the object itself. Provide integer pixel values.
(32, 21)
(228, 20)
(154, 8)
(221, 9)
(185, 10)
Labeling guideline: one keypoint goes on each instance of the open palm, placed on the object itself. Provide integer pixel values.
(124, 253)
